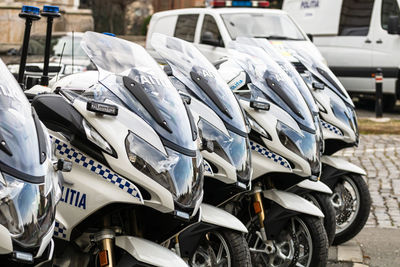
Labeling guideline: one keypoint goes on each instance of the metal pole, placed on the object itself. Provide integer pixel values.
(50, 12)
(29, 13)
(24, 54)
(378, 93)
(45, 77)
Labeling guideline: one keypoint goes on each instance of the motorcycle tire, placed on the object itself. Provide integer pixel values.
(323, 202)
(234, 249)
(312, 232)
(362, 213)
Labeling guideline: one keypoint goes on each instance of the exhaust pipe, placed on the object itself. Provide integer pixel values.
(29, 13)
(50, 12)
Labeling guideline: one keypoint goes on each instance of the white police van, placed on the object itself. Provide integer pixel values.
(356, 37)
(211, 29)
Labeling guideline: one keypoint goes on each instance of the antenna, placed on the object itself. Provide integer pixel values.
(59, 63)
(73, 43)
(50, 12)
(29, 13)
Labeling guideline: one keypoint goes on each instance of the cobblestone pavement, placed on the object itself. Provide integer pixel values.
(379, 156)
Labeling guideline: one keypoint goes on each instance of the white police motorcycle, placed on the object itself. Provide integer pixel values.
(286, 151)
(351, 196)
(137, 172)
(315, 191)
(29, 188)
(217, 114)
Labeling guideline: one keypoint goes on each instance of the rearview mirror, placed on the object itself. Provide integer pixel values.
(393, 25)
(310, 36)
(209, 39)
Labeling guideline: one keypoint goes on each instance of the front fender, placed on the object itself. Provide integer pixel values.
(293, 202)
(342, 164)
(219, 217)
(148, 252)
(317, 186)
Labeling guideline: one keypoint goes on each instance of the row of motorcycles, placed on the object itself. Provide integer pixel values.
(179, 162)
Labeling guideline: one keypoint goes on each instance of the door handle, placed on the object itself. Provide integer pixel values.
(379, 41)
(368, 41)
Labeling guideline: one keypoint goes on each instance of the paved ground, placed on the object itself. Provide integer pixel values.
(378, 244)
(379, 155)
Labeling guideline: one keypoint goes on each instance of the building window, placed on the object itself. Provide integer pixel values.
(389, 8)
(210, 31)
(186, 27)
(355, 17)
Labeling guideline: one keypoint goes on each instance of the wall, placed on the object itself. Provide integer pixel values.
(12, 27)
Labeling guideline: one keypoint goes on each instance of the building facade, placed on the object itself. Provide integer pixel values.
(12, 27)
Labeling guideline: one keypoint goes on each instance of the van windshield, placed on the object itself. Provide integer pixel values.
(271, 26)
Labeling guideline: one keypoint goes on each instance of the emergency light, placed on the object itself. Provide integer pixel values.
(31, 12)
(223, 3)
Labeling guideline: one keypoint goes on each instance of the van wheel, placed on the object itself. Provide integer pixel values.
(324, 203)
(225, 248)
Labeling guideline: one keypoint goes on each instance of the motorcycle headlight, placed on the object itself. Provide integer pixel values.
(96, 138)
(9, 215)
(25, 210)
(178, 173)
(258, 128)
(304, 144)
(234, 148)
(289, 137)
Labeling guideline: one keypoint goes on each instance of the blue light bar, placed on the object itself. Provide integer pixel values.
(109, 34)
(30, 10)
(51, 9)
(242, 3)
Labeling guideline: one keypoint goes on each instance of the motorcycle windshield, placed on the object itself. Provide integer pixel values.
(131, 74)
(269, 77)
(194, 70)
(290, 70)
(317, 68)
(19, 145)
(26, 209)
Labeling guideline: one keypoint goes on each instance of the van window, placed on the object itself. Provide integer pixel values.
(389, 8)
(210, 31)
(355, 17)
(268, 25)
(186, 27)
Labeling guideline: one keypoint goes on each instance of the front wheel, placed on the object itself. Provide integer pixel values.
(324, 203)
(222, 248)
(352, 201)
(302, 242)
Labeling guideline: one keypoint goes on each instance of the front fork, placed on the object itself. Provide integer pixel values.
(105, 240)
(260, 211)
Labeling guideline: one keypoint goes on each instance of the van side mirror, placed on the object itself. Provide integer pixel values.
(310, 36)
(393, 25)
(209, 39)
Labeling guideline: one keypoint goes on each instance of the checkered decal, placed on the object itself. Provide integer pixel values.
(265, 152)
(64, 150)
(331, 128)
(59, 230)
(207, 169)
